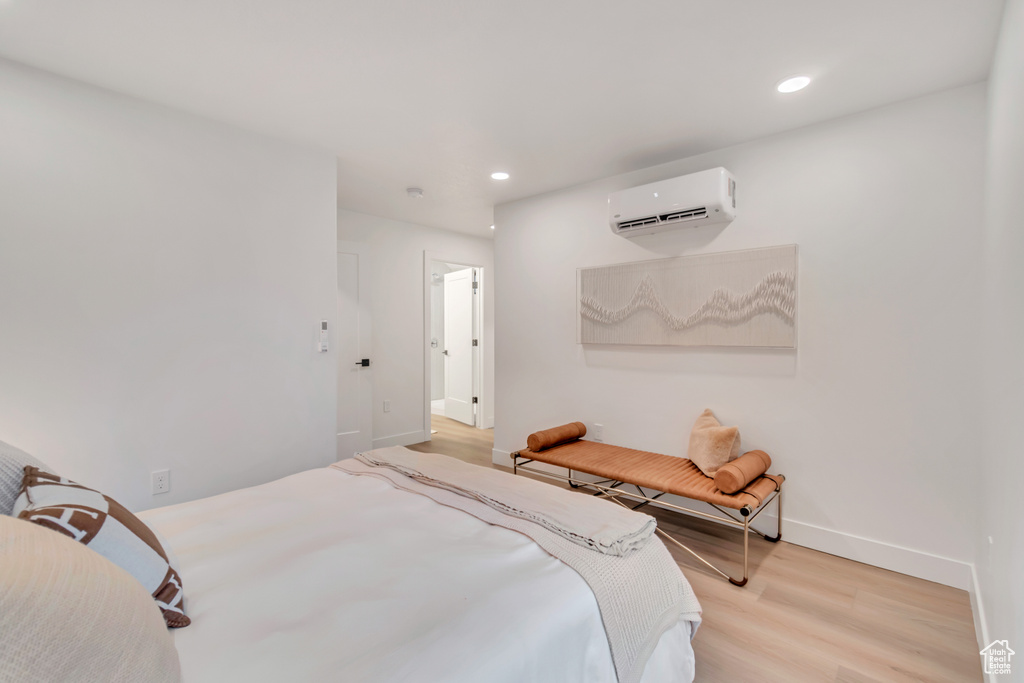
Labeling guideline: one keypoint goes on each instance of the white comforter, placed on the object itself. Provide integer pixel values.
(323, 576)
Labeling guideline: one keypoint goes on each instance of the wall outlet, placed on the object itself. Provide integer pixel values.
(387, 406)
(597, 433)
(161, 481)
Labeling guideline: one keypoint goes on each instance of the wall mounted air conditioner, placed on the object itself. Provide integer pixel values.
(691, 200)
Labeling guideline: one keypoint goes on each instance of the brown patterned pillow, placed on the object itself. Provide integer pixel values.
(107, 527)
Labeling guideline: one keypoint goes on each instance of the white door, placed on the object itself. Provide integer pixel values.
(355, 390)
(458, 349)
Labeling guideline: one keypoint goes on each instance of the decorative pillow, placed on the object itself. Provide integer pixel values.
(12, 471)
(734, 476)
(711, 444)
(538, 441)
(107, 527)
(71, 615)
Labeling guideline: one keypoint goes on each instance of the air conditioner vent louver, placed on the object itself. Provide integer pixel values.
(689, 201)
(638, 223)
(674, 217)
(687, 215)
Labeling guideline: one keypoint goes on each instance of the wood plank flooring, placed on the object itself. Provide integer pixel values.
(804, 615)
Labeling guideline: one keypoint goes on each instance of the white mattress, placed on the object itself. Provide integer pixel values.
(326, 576)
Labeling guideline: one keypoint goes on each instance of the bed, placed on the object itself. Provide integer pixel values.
(326, 575)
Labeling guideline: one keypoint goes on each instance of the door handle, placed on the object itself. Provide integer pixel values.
(445, 352)
(364, 362)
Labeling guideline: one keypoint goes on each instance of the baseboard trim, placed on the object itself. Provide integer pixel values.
(923, 565)
(406, 439)
(917, 563)
(980, 623)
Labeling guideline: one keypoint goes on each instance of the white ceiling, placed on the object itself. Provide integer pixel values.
(438, 94)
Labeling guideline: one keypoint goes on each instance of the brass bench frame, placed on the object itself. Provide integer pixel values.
(610, 488)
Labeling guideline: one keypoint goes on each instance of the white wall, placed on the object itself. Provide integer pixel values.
(161, 280)
(397, 290)
(1001, 563)
(867, 418)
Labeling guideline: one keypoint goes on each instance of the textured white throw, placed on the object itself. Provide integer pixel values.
(640, 594)
(69, 614)
(12, 471)
(587, 521)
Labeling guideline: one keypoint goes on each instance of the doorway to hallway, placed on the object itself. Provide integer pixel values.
(455, 316)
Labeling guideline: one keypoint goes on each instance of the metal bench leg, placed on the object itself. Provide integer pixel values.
(571, 484)
(746, 548)
(746, 539)
(710, 566)
(778, 526)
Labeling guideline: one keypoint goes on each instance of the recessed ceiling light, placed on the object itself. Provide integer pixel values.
(492, 227)
(793, 84)
(499, 175)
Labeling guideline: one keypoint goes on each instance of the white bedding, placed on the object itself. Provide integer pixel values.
(323, 576)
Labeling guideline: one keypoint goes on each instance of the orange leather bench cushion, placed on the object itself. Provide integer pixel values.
(657, 471)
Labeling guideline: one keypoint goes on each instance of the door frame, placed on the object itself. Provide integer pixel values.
(478, 330)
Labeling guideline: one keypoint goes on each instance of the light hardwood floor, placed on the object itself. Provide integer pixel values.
(804, 615)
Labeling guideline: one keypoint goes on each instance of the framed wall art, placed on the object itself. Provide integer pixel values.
(736, 298)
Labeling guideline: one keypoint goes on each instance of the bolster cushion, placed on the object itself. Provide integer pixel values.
(538, 441)
(735, 476)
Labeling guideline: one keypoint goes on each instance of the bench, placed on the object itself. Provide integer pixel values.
(616, 466)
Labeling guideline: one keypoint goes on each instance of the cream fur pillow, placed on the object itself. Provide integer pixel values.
(711, 444)
(69, 614)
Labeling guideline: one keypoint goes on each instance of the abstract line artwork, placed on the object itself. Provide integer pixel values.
(738, 298)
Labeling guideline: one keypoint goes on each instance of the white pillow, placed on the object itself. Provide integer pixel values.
(69, 614)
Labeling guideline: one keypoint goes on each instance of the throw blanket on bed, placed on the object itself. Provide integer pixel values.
(588, 521)
(640, 593)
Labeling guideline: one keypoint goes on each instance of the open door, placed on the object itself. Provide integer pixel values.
(355, 388)
(458, 341)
